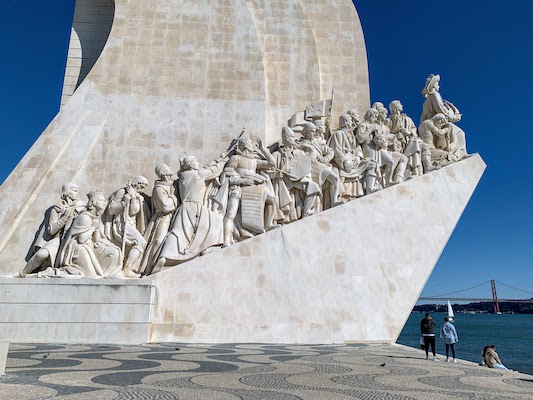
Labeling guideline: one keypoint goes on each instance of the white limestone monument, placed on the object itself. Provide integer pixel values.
(145, 212)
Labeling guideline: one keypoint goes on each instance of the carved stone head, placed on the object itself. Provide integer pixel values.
(396, 107)
(439, 120)
(345, 121)
(355, 115)
(309, 130)
(245, 144)
(320, 128)
(287, 135)
(383, 113)
(190, 162)
(377, 105)
(70, 191)
(139, 183)
(432, 85)
(371, 115)
(163, 170)
(96, 200)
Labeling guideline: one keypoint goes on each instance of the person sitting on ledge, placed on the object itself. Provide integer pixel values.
(492, 360)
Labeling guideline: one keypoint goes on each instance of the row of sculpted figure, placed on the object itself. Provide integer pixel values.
(248, 190)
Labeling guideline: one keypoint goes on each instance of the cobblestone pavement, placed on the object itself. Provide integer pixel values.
(248, 372)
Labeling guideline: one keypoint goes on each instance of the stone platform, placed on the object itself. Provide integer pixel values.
(75, 310)
(250, 372)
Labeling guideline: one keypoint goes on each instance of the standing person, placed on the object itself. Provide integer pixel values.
(195, 228)
(427, 329)
(449, 335)
(164, 203)
(492, 360)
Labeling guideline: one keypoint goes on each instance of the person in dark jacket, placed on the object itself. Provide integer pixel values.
(427, 329)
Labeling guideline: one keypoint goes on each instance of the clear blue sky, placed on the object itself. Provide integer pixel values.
(481, 48)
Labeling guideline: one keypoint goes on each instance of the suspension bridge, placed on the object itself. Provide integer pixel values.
(485, 292)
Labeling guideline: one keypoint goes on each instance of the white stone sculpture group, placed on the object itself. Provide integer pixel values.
(248, 190)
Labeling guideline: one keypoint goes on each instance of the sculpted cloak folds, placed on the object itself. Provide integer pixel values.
(51, 231)
(85, 251)
(164, 203)
(195, 228)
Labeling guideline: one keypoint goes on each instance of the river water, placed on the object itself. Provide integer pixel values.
(511, 333)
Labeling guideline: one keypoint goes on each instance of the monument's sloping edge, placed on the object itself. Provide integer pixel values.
(350, 273)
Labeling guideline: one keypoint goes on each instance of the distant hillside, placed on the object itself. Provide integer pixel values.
(505, 307)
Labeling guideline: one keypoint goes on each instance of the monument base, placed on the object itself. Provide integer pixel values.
(351, 273)
(39, 310)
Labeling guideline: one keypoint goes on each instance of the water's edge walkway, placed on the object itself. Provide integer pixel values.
(248, 371)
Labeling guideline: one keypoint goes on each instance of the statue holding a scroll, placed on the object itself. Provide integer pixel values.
(251, 198)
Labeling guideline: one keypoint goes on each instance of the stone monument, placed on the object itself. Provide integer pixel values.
(296, 229)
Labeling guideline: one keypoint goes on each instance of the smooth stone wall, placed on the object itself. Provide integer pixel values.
(39, 310)
(4, 348)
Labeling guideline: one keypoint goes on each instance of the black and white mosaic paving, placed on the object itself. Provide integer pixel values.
(248, 372)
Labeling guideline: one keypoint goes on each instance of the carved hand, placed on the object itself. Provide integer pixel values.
(261, 145)
(247, 181)
(347, 166)
(69, 214)
(130, 191)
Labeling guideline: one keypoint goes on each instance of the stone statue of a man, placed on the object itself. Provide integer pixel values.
(58, 219)
(404, 130)
(195, 227)
(375, 144)
(85, 250)
(321, 169)
(292, 179)
(435, 104)
(242, 172)
(126, 218)
(357, 171)
(164, 204)
(435, 132)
